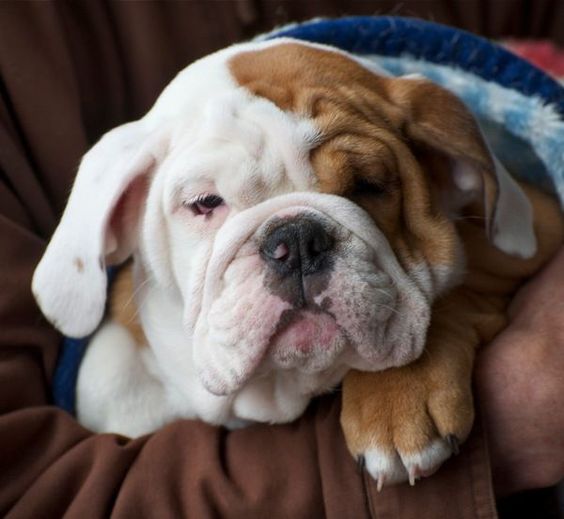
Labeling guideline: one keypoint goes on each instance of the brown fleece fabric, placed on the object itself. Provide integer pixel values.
(69, 72)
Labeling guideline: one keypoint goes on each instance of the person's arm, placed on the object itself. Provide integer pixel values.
(520, 383)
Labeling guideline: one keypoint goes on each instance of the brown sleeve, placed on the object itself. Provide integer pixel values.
(69, 72)
(461, 489)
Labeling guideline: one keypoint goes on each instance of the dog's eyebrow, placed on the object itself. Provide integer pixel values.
(238, 193)
(253, 191)
(187, 185)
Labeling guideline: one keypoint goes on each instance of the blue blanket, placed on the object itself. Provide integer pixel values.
(520, 108)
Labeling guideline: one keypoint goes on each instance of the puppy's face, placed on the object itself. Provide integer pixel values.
(273, 273)
(296, 204)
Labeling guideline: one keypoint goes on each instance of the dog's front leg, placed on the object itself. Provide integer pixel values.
(403, 423)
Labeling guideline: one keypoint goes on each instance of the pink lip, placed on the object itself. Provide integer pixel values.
(310, 333)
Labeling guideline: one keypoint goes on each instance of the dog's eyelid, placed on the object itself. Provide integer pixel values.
(206, 199)
(204, 203)
(366, 186)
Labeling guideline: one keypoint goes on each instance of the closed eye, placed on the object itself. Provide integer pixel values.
(204, 204)
(363, 186)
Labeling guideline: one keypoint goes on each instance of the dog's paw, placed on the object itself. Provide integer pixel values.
(400, 426)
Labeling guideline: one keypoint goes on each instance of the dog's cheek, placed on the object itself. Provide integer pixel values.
(245, 311)
(384, 319)
(361, 300)
(188, 256)
(244, 322)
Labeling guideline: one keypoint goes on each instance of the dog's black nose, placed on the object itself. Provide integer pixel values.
(298, 245)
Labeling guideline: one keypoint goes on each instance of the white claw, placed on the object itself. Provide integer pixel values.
(380, 482)
(411, 475)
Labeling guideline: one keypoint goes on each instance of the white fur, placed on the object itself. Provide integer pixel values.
(213, 351)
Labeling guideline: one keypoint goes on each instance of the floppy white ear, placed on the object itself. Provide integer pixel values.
(511, 229)
(98, 225)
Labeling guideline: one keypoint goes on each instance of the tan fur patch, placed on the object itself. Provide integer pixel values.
(79, 264)
(123, 309)
(371, 129)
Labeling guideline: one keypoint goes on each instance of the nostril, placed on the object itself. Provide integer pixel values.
(281, 252)
(321, 242)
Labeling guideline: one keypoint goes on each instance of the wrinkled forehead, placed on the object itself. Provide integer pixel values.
(244, 141)
(226, 134)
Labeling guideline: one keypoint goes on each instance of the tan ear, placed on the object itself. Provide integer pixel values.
(435, 118)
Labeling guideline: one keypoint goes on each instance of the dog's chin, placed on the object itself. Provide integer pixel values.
(309, 341)
(306, 340)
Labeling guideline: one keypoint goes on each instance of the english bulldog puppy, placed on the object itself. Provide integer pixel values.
(293, 216)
